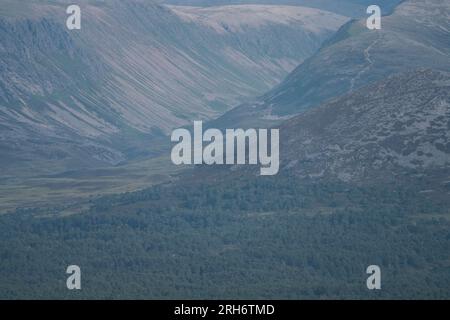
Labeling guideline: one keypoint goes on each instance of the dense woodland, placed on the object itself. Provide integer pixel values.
(261, 238)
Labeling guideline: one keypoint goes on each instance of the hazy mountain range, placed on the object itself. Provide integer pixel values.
(136, 69)
(112, 91)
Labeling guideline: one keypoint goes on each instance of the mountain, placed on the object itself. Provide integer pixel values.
(135, 70)
(395, 130)
(415, 36)
(350, 8)
(365, 161)
(362, 182)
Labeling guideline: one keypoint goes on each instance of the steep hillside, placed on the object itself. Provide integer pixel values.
(136, 68)
(416, 35)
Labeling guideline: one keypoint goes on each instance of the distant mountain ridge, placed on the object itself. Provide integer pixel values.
(415, 36)
(351, 8)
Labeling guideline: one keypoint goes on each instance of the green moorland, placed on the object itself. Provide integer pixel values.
(78, 186)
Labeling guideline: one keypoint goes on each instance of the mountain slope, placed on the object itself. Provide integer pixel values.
(416, 35)
(395, 130)
(135, 69)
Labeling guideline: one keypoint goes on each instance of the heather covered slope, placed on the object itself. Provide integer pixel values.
(396, 130)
